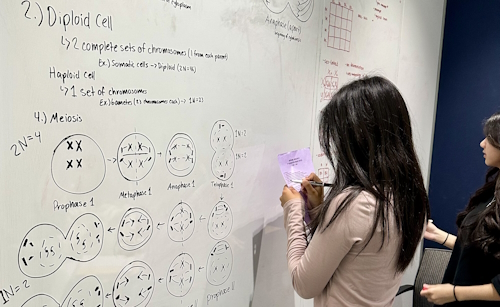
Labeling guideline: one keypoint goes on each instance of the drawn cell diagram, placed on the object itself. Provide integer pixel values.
(302, 9)
(222, 136)
(85, 238)
(330, 86)
(180, 276)
(222, 141)
(42, 251)
(135, 229)
(41, 300)
(181, 223)
(340, 27)
(44, 248)
(220, 221)
(134, 285)
(87, 292)
(136, 156)
(181, 155)
(78, 164)
(219, 263)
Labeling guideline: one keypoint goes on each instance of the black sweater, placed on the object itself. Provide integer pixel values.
(469, 265)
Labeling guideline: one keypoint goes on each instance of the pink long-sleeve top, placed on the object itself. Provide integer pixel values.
(333, 268)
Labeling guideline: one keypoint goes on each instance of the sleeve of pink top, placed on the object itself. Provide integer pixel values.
(312, 266)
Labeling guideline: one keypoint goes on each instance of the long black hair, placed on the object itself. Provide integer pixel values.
(485, 231)
(365, 132)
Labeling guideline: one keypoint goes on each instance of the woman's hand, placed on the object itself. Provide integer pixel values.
(438, 294)
(287, 194)
(314, 194)
(433, 233)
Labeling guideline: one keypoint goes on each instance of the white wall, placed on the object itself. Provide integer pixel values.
(418, 79)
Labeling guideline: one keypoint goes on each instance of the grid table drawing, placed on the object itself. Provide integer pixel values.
(340, 27)
(324, 174)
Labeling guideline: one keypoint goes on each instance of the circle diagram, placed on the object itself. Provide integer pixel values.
(44, 248)
(43, 300)
(181, 223)
(223, 164)
(220, 221)
(222, 136)
(222, 141)
(78, 164)
(136, 157)
(180, 275)
(85, 237)
(87, 292)
(135, 229)
(219, 263)
(134, 285)
(42, 251)
(181, 155)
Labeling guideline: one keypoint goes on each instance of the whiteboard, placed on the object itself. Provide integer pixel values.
(139, 142)
(359, 38)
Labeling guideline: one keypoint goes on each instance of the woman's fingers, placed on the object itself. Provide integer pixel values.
(308, 187)
(313, 177)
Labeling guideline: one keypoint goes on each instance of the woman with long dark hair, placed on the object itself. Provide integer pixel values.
(472, 277)
(366, 230)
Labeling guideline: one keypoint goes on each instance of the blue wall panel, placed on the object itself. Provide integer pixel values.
(469, 91)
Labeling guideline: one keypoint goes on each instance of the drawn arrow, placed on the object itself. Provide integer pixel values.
(221, 197)
(202, 218)
(111, 229)
(108, 295)
(160, 280)
(200, 268)
(159, 224)
(113, 160)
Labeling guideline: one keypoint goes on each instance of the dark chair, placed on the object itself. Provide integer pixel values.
(430, 271)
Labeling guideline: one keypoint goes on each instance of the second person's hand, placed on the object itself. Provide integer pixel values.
(433, 233)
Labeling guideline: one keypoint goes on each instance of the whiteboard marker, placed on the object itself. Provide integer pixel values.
(314, 183)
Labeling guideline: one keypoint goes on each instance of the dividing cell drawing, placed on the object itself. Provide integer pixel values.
(135, 229)
(220, 221)
(180, 276)
(42, 251)
(302, 9)
(44, 248)
(136, 156)
(222, 141)
(181, 223)
(78, 165)
(181, 155)
(134, 285)
(219, 263)
(87, 292)
(43, 300)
